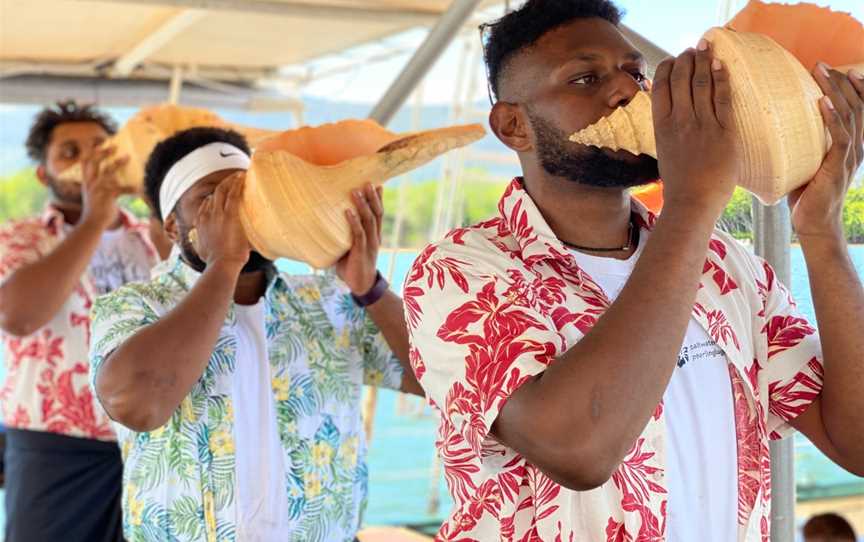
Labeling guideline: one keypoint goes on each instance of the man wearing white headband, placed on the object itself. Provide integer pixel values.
(236, 388)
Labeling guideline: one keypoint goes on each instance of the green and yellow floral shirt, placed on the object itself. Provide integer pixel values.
(179, 480)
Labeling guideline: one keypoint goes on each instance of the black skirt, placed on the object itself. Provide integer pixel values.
(62, 488)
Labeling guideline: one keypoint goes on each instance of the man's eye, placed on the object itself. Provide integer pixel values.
(639, 77)
(583, 80)
(69, 153)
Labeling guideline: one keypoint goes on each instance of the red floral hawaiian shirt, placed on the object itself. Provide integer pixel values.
(494, 304)
(47, 380)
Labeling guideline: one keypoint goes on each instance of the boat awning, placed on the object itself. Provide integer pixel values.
(226, 40)
(234, 41)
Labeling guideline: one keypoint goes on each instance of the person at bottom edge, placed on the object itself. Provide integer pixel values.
(828, 527)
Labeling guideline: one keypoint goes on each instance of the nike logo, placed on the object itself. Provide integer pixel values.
(223, 155)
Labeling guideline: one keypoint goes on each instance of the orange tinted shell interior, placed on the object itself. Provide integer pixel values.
(810, 32)
(332, 144)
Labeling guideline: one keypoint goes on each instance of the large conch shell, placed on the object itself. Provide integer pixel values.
(137, 138)
(299, 184)
(776, 109)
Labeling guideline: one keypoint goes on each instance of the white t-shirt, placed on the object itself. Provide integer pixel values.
(120, 258)
(701, 446)
(262, 500)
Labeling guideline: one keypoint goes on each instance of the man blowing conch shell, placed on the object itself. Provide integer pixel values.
(603, 374)
(62, 466)
(235, 387)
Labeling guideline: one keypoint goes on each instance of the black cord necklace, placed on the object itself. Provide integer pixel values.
(630, 242)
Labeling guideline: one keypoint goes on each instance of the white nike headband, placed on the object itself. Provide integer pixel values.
(195, 166)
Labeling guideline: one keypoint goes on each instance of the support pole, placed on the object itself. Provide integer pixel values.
(772, 232)
(176, 85)
(436, 42)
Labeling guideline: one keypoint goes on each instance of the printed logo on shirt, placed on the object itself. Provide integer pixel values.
(696, 351)
(684, 356)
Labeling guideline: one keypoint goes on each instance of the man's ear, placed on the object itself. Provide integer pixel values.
(171, 229)
(510, 125)
(42, 174)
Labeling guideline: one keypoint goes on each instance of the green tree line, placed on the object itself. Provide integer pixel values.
(22, 195)
(737, 218)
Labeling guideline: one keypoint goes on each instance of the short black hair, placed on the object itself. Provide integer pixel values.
(520, 29)
(172, 150)
(829, 525)
(62, 112)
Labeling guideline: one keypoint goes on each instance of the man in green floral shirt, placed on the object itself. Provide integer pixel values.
(236, 388)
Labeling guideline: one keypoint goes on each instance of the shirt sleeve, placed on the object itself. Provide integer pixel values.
(353, 325)
(114, 319)
(475, 336)
(794, 370)
(381, 368)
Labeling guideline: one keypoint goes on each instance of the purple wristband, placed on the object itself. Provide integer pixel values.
(374, 294)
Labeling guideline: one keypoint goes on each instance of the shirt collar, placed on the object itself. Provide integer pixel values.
(175, 268)
(535, 237)
(53, 219)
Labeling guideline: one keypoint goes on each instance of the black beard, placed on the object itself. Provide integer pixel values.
(256, 261)
(65, 192)
(589, 166)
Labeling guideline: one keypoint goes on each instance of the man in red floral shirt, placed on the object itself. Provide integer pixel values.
(602, 374)
(63, 467)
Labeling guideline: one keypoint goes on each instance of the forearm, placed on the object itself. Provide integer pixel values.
(597, 398)
(145, 379)
(32, 295)
(838, 299)
(388, 315)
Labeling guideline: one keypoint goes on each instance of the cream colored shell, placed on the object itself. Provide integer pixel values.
(629, 128)
(295, 209)
(776, 110)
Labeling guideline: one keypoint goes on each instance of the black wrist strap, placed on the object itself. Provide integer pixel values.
(374, 294)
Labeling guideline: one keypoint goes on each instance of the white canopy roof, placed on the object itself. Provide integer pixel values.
(228, 39)
(234, 41)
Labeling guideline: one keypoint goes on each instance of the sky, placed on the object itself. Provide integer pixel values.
(672, 24)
